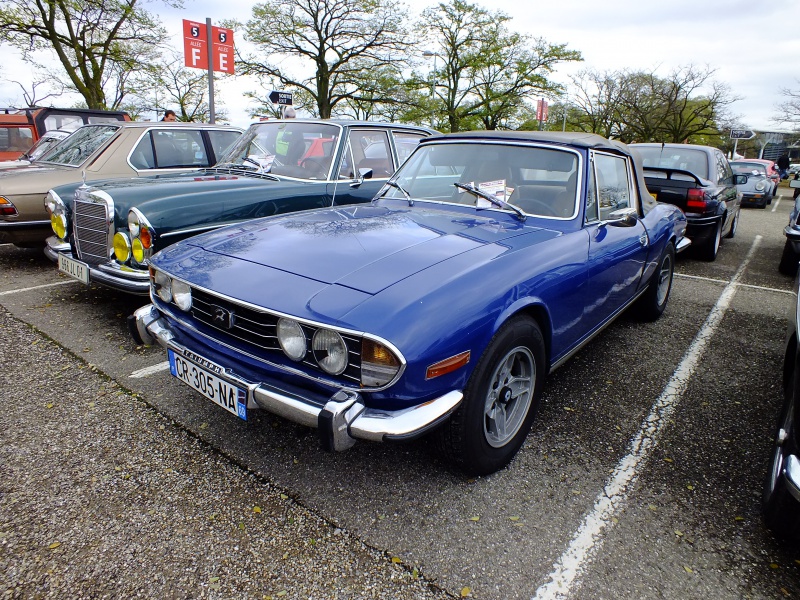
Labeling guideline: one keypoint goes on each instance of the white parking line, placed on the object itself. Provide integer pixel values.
(777, 202)
(163, 366)
(37, 287)
(746, 285)
(589, 538)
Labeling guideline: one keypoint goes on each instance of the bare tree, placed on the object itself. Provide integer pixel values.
(344, 41)
(29, 95)
(99, 44)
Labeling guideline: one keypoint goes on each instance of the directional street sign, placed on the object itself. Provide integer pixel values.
(277, 97)
(742, 134)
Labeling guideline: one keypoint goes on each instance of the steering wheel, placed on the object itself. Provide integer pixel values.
(538, 207)
(315, 166)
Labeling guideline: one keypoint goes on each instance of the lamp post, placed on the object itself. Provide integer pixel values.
(429, 54)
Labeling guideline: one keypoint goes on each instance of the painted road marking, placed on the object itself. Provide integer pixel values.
(777, 202)
(589, 538)
(745, 285)
(37, 287)
(163, 366)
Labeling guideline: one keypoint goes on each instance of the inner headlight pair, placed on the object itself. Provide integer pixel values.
(379, 365)
(58, 214)
(140, 243)
(172, 290)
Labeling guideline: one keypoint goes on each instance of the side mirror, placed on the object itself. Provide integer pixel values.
(739, 179)
(363, 174)
(624, 217)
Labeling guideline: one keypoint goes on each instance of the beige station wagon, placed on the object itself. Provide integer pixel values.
(103, 151)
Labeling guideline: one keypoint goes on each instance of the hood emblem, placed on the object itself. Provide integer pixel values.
(222, 317)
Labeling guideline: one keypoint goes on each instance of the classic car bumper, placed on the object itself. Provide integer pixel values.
(125, 279)
(754, 199)
(699, 229)
(24, 232)
(340, 419)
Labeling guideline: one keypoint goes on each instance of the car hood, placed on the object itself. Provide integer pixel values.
(328, 261)
(163, 192)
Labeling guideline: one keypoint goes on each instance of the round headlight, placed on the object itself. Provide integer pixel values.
(163, 286)
(330, 351)
(122, 247)
(292, 339)
(59, 225)
(760, 186)
(138, 250)
(133, 223)
(181, 294)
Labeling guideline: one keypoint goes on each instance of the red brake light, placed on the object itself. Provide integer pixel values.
(696, 199)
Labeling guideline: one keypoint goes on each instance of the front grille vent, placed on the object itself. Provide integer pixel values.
(90, 230)
(258, 328)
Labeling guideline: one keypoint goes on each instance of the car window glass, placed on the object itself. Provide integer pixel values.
(539, 181)
(370, 150)
(47, 141)
(404, 143)
(222, 140)
(179, 148)
(592, 213)
(292, 148)
(71, 122)
(142, 156)
(80, 145)
(15, 139)
(686, 159)
(613, 187)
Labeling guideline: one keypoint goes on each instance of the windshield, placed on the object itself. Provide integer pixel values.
(290, 148)
(44, 144)
(539, 181)
(747, 168)
(80, 145)
(686, 159)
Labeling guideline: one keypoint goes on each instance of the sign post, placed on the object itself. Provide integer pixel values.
(208, 47)
(740, 134)
(541, 112)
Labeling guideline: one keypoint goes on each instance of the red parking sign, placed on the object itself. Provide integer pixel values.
(195, 46)
(195, 51)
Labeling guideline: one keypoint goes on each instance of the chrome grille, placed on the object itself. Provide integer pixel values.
(90, 228)
(258, 328)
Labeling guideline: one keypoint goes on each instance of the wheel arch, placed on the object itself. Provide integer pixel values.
(535, 309)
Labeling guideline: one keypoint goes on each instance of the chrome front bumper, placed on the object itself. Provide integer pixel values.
(342, 419)
(125, 279)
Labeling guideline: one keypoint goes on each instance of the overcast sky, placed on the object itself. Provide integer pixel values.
(754, 46)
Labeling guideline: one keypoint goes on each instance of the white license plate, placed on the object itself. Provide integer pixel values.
(74, 268)
(230, 397)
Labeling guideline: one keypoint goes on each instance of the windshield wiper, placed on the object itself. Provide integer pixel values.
(494, 200)
(397, 186)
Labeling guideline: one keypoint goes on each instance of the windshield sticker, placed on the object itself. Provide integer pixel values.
(497, 189)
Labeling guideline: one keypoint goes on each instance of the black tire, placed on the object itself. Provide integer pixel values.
(708, 251)
(472, 438)
(780, 510)
(789, 260)
(734, 225)
(652, 303)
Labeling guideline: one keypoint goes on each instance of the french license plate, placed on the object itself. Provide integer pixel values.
(74, 268)
(230, 397)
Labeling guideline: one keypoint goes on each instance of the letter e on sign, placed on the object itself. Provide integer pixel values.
(195, 53)
(223, 49)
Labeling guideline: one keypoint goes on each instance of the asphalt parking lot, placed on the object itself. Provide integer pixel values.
(641, 478)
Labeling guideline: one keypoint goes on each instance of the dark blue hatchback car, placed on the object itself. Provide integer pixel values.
(483, 264)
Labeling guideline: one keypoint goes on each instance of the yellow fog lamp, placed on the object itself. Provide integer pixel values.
(59, 224)
(122, 247)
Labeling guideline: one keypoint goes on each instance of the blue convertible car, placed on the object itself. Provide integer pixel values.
(484, 263)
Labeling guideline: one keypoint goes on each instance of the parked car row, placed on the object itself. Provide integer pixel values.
(325, 270)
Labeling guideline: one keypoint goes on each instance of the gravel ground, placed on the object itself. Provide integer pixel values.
(102, 497)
